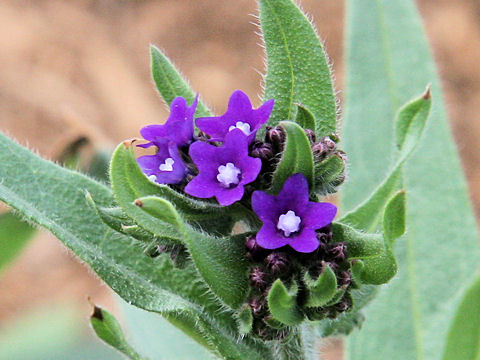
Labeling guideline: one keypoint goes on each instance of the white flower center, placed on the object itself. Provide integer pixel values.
(228, 175)
(152, 178)
(289, 223)
(167, 165)
(245, 127)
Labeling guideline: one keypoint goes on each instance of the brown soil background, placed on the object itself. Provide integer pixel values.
(81, 67)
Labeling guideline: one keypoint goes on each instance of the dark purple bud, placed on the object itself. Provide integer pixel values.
(337, 252)
(261, 150)
(323, 148)
(257, 306)
(344, 304)
(202, 136)
(254, 251)
(258, 278)
(344, 278)
(276, 137)
(278, 263)
(311, 135)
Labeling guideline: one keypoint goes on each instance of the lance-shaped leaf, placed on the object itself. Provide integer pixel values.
(410, 122)
(244, 319)
(282, 304)
(388, 54)
(321, 290)
(297, 67)
(220, 261)
(297, 157)
(305, 118)
(152, 284)
(109, 330)
(359, 245)
(170, 82)
(463, 341)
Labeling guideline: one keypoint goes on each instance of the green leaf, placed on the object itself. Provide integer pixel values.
(305, 118)
(359, 245)
(387, 61)
(410, 122)
(322, 290)
(297, 157)
(463, 341)
(109, 330)
(170, 82)
(245, 319)
(14, 235)
(282, 304)
(297, 67)
(329, 174)
(151, 284)
(394, 218)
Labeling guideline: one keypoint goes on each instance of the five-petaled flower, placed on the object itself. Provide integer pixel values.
(239, 115)
(224, 170)
(290, 218)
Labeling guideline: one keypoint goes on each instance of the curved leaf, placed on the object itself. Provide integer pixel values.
(322, 290)
(297, 67)
(359, 245)
(282, 304)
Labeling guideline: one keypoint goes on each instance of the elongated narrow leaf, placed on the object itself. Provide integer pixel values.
(109, 330)
(14, 235)
(388, 61)
(297, 157)
(297, 67)
(463, 342)
(170, 82)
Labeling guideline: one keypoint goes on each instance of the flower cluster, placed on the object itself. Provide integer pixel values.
(226, 161)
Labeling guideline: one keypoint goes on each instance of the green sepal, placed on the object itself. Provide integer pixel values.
(297, 66)
(359, 245)
(329, 174)
(305, 118)
(297, 157)
(244, 318)
(282, 304)
(321, 290)
(170, 83)
(108, 329)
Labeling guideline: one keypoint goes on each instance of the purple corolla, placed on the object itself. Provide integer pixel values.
(166, 166)
(178, 128)
(290, 218)
(224, 170)
(239, 115)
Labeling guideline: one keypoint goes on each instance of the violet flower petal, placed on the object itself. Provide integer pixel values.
(267, 237)
(239, 114)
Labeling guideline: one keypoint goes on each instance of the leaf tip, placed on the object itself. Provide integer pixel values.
(129, 142)
(427, 95)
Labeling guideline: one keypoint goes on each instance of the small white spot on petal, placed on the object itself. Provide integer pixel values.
(167, 165)
(245, 127)
(289, 223)
(228, 175)
(152, 178)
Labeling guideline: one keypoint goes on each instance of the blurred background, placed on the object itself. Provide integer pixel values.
(79, 69)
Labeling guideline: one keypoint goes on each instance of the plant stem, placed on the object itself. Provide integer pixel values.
(299, 346)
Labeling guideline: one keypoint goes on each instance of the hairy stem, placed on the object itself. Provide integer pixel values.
(299, 346)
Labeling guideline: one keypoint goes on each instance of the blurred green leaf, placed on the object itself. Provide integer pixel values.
(388, 61)
(297, 67)
(14, 235)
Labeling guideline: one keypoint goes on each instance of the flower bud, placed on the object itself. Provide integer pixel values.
(275, 136)
(337, 252)
(344, 304)
(254, 251)
(262, 151)
(344, 278)
(258, 278)
(277, 263)
(257, 305)
(323, 148)
(311, 135)
(156, 250)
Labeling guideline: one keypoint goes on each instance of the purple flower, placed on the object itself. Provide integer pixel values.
(290, 218)
(223, 170)
(166, 166)
(178, 128)
(239, 115)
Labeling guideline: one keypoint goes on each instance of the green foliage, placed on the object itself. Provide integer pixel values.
(360, 245)
(321, 290)
(297, 157)
(305, 118)
(329, 173)
(282, 304)
(109, 330)
(463, 341)
(14, 235)
(244, 319)
(297, 67)
(170, 83)
(387, 61)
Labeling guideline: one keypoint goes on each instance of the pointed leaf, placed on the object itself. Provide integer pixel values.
(297, 157)
(282, 304)
(359, 245)
(394, 218)
(170, 82)
(297, 67)
(245, 319)
(322, 290)
(305, 118)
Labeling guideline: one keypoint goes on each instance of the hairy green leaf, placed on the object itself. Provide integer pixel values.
(297, 67)
(14, 235)
(245, 319)
(463, 341)
(321, 290)
(387, 62)
(297, 157)
(394, 218)
(282, 303)
(305, 118)
(170, 82)
(329, 173)
(359, 245)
